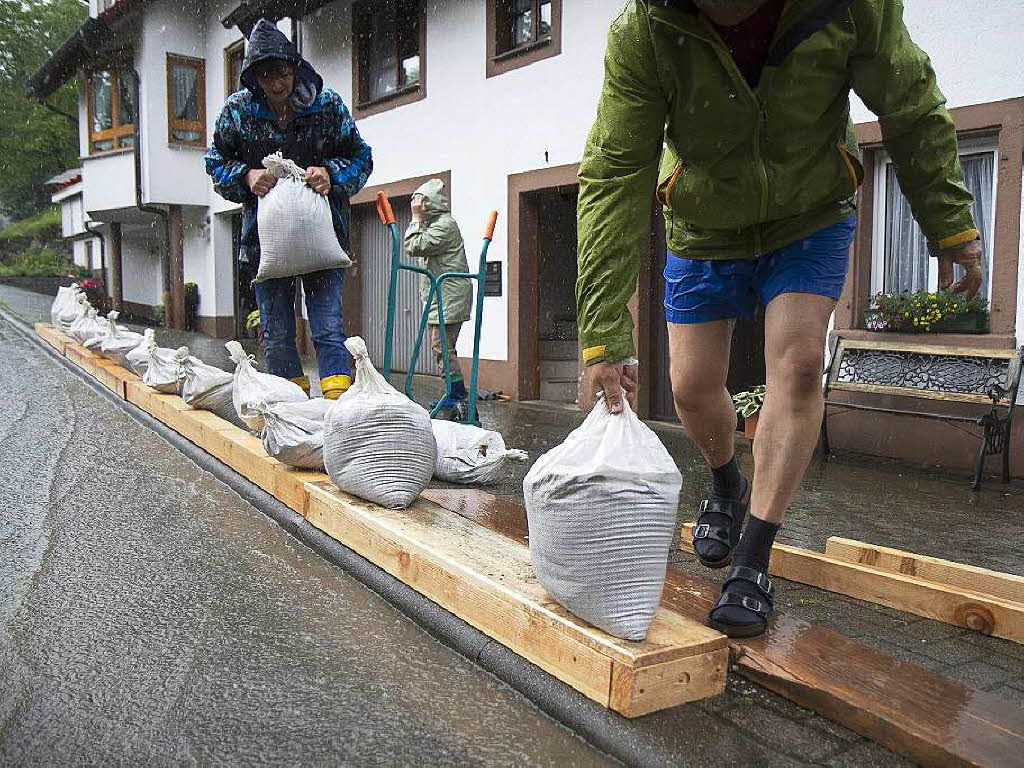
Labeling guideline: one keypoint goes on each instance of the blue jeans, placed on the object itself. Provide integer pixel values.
(701, 290)
(276, 300)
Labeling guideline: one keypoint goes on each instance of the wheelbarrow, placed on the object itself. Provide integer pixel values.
(469, 415)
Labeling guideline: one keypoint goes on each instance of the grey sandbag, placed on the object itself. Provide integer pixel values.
(293, 432)
(207, 388)
(378, 444)
(601, 509)
(118, 341)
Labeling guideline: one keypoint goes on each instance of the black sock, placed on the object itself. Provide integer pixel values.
(753, 551)
(727, 483)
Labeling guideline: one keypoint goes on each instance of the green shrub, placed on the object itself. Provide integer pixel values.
(43, 225)
(37, 262)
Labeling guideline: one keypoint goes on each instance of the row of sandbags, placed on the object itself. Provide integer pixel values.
(373, 422)
(601, 506)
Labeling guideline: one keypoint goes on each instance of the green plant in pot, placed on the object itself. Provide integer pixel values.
(748, 405)
(191, 306)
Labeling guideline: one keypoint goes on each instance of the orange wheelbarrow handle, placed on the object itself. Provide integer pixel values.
(387, 216)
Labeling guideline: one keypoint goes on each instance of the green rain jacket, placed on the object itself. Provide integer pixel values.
(740, 171)
(439, 241)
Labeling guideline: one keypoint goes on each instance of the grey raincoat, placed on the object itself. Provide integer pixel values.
(439, 242)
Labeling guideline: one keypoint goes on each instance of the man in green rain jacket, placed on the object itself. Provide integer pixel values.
(434, 236)
(735, 114)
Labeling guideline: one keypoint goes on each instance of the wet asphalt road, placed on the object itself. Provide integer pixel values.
(148, 615)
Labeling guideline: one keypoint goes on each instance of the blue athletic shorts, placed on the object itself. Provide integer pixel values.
(701, 290)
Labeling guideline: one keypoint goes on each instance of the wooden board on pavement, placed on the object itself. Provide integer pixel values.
(487, 580)
(1004, 586)
(55, 337)
(952, 605)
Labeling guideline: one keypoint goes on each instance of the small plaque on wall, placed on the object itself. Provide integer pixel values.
(492, 278)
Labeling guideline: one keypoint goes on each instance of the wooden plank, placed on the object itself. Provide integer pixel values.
(84, 358)
(487, 580)
(971, 610)
(55, 337)
(112, 376)
(911, 710)
(639, 691)
(291, 488)
(931, 349)
(1005, 586)
(927, 394)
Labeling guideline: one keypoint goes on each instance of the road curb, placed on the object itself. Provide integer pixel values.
(598, 726)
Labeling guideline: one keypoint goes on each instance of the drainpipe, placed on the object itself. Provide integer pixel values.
(145, 208)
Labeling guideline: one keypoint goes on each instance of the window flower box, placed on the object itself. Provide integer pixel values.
(927, 312)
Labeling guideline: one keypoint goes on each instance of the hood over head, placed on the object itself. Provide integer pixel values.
(434, 200)
(266, 41)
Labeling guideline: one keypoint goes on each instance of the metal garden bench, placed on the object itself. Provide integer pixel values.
(932, 372)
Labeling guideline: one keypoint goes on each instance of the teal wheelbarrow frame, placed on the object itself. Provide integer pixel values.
(387, 218)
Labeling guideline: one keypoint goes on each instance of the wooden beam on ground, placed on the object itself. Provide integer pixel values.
(1004, 586)
(481, 576)
(106, 372)
(487, 580)
(52, 336)
(971, 610)
(911, 710)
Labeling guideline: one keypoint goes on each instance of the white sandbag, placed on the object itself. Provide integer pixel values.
(158, 366)
(64, 307)
(92, 329)
(252, 386)
(118, 341)
(601, 509)
(378, 444)
(468, 454)
(206, 387)
(82, 307)
(138, 358)
(293, 433)
(295, 225)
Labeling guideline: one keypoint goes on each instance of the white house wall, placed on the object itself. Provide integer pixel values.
(172, 174)
(974, 46)
(200, 267)
(108, 183)
(141, 276)
(217, 40)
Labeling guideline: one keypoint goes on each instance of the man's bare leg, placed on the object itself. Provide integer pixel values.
(699, 366)
(787, 431)
(790, 420)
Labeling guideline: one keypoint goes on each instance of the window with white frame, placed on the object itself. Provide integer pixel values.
(900, 258)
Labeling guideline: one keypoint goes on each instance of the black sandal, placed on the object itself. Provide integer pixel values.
(760, 607)
(736, 511)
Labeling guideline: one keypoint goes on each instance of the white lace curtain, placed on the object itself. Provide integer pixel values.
(906, 251)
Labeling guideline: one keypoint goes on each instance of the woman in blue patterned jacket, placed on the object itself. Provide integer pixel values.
(285, 107)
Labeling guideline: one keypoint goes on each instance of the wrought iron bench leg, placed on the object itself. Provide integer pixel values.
(979, 468)
(1006, 452)
(826, 449)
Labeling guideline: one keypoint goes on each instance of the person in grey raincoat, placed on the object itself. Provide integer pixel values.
(434, 236)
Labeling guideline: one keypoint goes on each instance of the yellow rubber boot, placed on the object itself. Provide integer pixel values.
(335, 386)
(302, 381)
